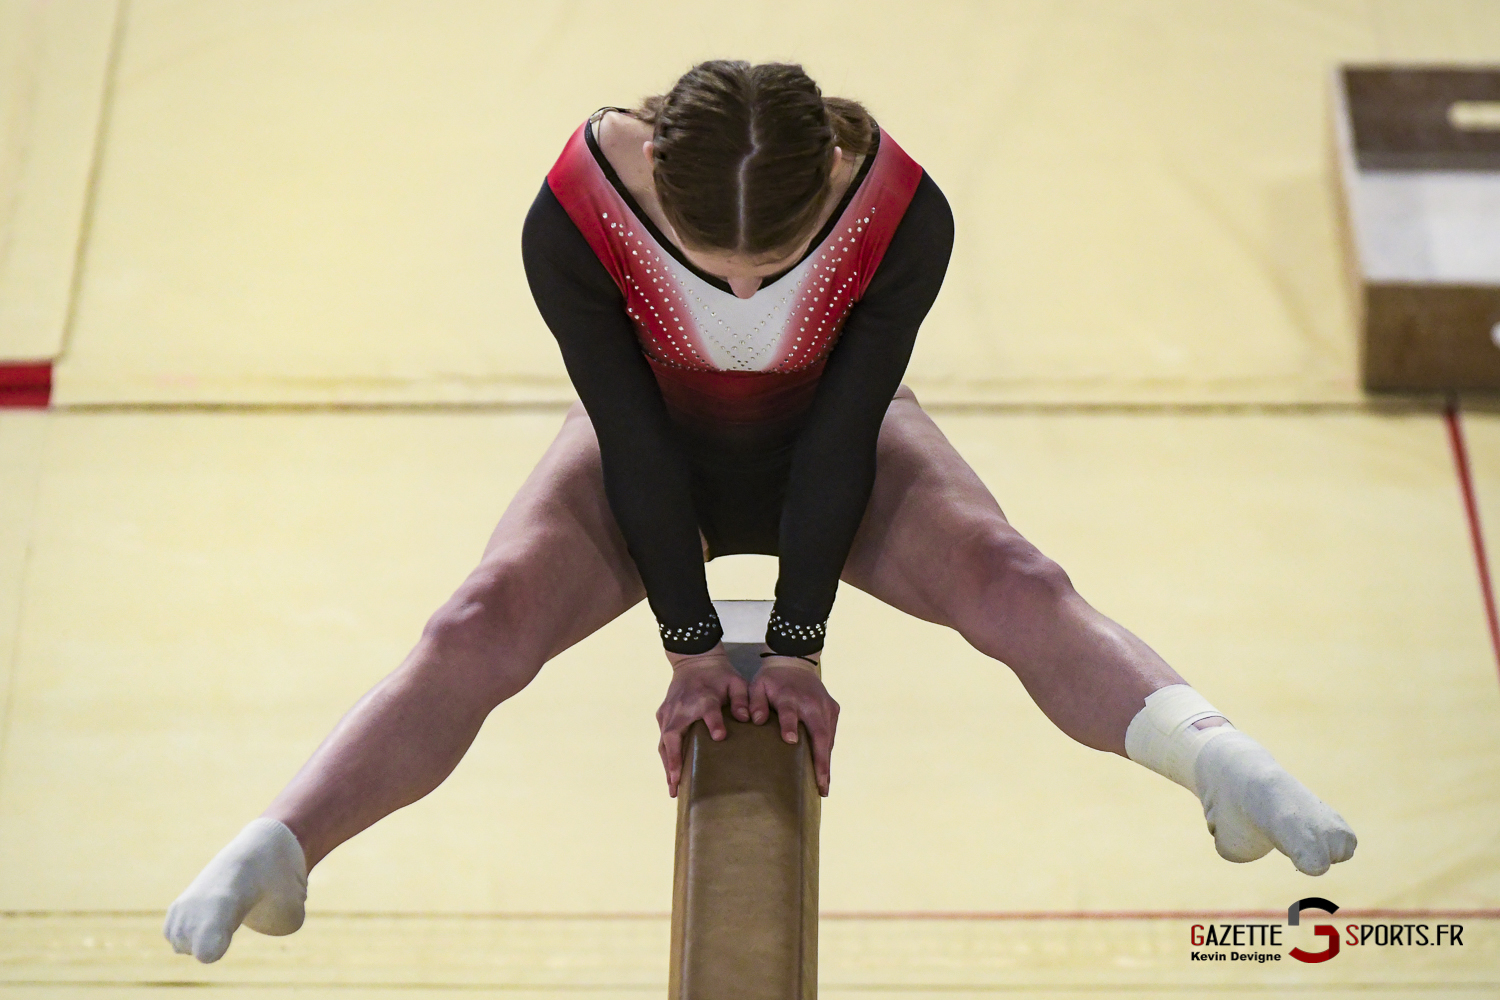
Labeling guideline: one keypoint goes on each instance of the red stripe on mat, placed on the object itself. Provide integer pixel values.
(1476, 533)
(26, 384)
(1379, 913)
(1344, 911)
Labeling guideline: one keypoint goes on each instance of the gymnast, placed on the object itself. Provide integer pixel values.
(735, 273)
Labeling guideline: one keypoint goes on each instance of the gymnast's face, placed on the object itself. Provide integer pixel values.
(743, 274)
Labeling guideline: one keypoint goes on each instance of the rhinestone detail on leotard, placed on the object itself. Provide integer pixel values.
(699, 637)
(794, 640)
(680, 316)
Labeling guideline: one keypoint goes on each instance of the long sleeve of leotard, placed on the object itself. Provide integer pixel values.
(833, 462)
(646, 476)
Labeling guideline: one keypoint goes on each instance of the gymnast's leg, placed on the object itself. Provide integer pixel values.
(935, 544)
(555, 570)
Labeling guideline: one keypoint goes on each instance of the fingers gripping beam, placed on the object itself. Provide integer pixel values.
(745, 886)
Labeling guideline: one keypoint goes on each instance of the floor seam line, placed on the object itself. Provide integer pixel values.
(13, 667)
(91, 186)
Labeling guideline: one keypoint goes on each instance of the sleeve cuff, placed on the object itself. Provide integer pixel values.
(698, 637)
(789, 639)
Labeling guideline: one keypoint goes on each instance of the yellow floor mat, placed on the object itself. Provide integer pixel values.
(54, 59)
(206, 593)
(322, 201)
(318, 201)
(374, 954)
(22, 438)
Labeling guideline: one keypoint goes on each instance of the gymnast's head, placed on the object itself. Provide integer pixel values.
(744, 160)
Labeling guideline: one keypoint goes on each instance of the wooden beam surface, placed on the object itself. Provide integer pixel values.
(745, 884)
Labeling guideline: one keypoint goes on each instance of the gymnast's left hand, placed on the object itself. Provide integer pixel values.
(796, 692)
(701, 684)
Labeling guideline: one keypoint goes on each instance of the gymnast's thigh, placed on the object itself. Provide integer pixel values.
(927, 509)
(557, 551)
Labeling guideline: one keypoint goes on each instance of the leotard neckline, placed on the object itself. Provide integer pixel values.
(672, 248)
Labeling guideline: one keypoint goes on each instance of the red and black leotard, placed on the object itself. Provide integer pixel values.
(752, 419)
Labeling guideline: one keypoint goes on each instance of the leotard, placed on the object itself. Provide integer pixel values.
(754, 420)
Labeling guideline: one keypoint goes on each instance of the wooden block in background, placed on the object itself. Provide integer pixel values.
(1431, 336)
(1418, 152)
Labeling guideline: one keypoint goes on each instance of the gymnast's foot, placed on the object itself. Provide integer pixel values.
(1252, 803)
(259, 879)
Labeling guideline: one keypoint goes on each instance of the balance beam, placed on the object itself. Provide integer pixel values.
(745, 884)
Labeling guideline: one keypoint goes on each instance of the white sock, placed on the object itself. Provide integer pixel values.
(1252, 803)
(259, 878)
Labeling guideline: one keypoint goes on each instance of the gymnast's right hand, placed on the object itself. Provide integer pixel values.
(701, 684)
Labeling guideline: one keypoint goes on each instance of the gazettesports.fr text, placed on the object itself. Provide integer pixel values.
(1383, 935)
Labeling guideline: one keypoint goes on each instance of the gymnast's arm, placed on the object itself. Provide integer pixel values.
(646, 477)
(833, 464)
(647, 483)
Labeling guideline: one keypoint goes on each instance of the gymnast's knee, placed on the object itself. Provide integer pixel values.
(1009, 578)
(485, 637)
